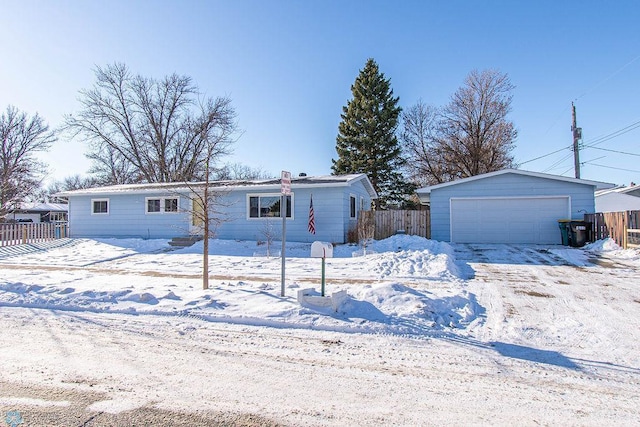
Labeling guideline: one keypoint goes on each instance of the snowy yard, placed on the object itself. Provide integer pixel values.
(431, 333)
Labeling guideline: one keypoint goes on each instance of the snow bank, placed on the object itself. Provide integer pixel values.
(138, 276)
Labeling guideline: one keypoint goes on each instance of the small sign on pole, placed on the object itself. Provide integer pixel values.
(285, 183)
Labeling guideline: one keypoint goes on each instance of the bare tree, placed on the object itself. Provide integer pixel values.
(214, 131)
(141, 129)
(469, 136)
(269, 232)
(475, 134)
(366, 229)
(20, 173)
(420, 143)
(238, 171)
(72, 182)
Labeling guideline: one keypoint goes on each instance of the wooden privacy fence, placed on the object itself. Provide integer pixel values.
(18, 234)
(623, 227)
(388, 223)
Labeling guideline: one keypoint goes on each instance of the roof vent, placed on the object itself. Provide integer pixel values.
(302, 174)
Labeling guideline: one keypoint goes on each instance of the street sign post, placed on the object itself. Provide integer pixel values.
(285, 190)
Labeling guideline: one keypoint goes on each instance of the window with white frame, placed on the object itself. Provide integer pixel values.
(267, 206)
(171, 204)
(352, 206)
(158, 205)
(99, 206)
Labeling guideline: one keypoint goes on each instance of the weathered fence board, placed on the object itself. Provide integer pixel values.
(18, 234)
(388, 223)
(622, 227)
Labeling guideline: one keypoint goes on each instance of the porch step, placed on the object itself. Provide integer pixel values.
(183, 242)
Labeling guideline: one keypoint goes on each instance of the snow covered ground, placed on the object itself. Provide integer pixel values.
(430, 332)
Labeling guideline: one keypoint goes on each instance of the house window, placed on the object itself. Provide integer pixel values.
(266, 206)
(153, 205)
(352, 207)
(171, 205)
(99, 206)
(161, 205)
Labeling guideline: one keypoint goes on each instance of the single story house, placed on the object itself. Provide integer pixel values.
(507, 206)
(618, 199)
(38, 212)
(246, 210)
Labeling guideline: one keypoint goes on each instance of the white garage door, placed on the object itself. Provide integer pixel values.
(508, 219)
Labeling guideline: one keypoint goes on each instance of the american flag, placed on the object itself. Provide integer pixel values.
(312, 219)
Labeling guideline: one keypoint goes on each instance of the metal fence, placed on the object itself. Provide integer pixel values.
(22, 233)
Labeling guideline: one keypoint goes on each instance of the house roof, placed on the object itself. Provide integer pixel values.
(263, 184)
(596, 184)
(42, 207)
(632, 190)
(616, 201)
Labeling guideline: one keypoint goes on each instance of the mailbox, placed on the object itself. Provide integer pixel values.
(321, 250)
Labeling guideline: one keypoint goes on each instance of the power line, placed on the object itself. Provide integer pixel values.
(546, 155)
(615, 151)
(611, 167)
(614, 134)
(558, 163)
(592, 143)
(608, 78)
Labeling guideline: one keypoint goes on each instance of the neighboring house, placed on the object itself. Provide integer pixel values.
(248, 209)
(507, 206)
(39, 212)
(618, 199)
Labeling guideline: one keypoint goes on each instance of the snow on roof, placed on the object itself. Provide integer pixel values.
(596, 184)
(633, 190)
(43, 207)
(300, 182)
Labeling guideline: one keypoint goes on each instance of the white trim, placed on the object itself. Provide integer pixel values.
(596, 184)
(100, 200)
(452, 199)
(270, 185)
(262, 218)
(353, 197)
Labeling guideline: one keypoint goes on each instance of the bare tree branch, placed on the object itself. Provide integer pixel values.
(20, 173)
(469, 136)
(144, 130)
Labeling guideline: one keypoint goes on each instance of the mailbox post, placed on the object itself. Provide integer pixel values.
(322, 250)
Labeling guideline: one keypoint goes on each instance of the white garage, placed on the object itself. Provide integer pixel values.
(507, 206)
(508, 219)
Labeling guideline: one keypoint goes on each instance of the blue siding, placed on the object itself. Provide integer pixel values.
(127, 217)
(331, 211)
(506, 185)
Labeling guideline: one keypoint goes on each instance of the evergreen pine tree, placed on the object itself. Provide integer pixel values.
(367, 141)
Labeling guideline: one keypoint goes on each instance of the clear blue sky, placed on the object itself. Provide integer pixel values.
(288, 67)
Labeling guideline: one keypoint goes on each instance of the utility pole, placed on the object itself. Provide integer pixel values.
(577, 135)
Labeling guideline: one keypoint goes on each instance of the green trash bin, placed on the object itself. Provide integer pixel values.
(564, 230)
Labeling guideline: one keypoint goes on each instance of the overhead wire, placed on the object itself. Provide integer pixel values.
(616, 151)
(595, 141)
(608, 78)
(612, 167)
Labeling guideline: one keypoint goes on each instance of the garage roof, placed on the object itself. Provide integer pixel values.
(424, 193)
